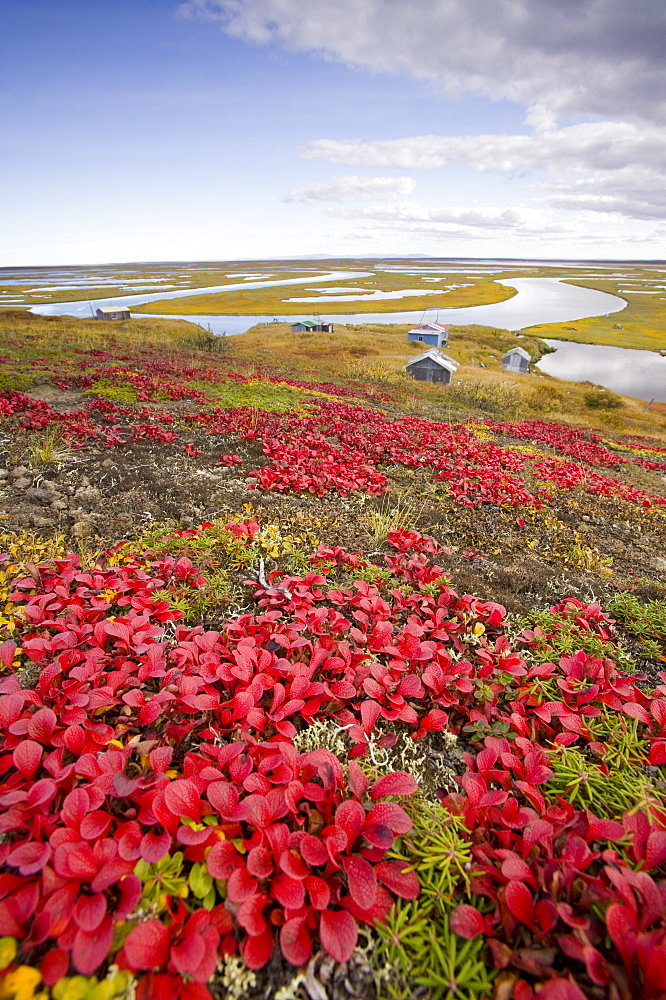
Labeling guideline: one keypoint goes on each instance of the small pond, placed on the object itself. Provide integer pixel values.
(632, 373)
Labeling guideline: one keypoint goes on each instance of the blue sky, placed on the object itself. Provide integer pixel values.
(233, 129)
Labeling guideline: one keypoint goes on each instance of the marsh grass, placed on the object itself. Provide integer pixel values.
(274, 300)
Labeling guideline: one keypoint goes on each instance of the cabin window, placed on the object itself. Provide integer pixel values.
(421, 339)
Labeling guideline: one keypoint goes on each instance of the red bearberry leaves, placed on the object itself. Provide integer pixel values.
(338, 934)
(467, 922)
(147, 945)
(396, 783)
(182, 798)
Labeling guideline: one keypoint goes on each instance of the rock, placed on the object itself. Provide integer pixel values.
(22, 483)
(59, 504)
(4, 473)
(108, 463)
(81, 529)
(88, 494)
(19, 471)
(42, 522)
(40, 494)
(586, 517)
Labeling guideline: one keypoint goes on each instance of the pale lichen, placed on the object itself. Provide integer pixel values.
(236, 977)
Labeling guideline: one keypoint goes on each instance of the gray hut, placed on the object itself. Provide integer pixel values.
(432, 366)
(112, 312)
(434, 334)
(517, 360)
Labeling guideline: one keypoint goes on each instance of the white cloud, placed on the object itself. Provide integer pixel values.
(625, 163)
(478, 222)
(561, 59)
(355, 189)
(633, 193)
(587, 146)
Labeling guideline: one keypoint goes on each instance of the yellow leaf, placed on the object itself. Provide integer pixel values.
(7, 951)
(19, 984)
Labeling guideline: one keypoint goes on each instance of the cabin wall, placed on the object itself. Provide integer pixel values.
(431, 339)
(429, 371)
(516, 364)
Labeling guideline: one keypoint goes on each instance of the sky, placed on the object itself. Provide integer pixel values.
(161, 130)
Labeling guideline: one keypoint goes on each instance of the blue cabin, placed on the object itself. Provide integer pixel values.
(432, 334)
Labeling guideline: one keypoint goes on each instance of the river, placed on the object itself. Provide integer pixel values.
(539, 300)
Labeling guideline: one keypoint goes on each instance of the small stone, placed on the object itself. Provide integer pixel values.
(22, 483)
(108, 463)
(42, 522)
(20, 471)
(59, 504)
(586, 517)
(4, 473)
(41, 495)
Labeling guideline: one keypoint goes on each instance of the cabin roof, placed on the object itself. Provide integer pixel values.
(518, 350)
(113, 309)
(441, 359)
(437, 327)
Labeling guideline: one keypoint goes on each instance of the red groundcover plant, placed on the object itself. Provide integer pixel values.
(331, 446)
(137, 745)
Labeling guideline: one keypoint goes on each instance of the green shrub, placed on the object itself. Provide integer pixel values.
(602, 399)
(644, 619)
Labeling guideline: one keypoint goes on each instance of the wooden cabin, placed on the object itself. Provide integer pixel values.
(112, 312)
(432, 366)
(517, 360)
(312, 326)
(433, 334)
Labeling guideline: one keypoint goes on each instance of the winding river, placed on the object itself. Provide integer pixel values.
(539, 300)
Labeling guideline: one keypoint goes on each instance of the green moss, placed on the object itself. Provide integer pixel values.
(259, 395)
(115, 391)
(13, 381)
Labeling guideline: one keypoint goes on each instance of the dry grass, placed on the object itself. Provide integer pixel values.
(34, 335)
